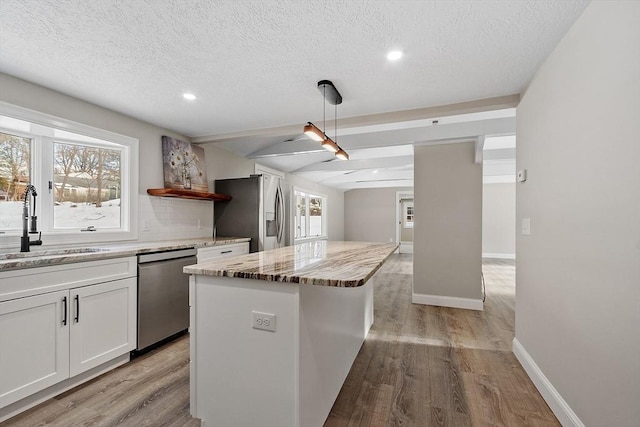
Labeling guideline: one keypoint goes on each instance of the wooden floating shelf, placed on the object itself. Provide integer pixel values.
(188, 194)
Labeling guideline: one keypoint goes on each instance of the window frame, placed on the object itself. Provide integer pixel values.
(41, 172)
(324, 224)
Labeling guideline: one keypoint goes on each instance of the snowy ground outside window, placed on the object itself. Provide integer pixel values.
(66, 215)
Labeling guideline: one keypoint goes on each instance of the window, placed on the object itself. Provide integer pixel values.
(309, 215)
(83, 177)
(408, 215)
(86, 183)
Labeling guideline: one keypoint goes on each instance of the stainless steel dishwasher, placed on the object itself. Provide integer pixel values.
(163, 295)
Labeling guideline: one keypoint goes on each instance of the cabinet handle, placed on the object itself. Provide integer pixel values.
(64, 311)
(226, 252)
(77, 300)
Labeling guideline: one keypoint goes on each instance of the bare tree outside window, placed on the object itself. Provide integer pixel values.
(15, 160)
(15, 155)
(87, 176)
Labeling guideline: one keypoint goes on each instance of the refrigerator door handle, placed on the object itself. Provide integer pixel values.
(279, 214)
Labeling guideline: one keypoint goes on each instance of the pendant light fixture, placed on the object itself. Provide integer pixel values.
(332, 96)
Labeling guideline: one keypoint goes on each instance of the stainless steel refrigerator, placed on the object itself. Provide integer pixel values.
(256, 210)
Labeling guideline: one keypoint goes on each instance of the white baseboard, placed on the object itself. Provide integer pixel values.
(498, 255)
(453, 302)
(558, 405)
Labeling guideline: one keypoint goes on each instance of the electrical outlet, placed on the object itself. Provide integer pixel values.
(526, 226)
(145, 226)
(264, 321)
(199, 225)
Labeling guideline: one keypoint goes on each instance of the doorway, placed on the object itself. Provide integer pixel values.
(404, 221)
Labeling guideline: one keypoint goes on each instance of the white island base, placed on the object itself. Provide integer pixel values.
(241, 376)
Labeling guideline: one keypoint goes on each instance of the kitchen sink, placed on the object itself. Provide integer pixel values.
(49, 252)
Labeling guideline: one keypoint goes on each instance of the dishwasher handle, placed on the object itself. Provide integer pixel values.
(167, 255)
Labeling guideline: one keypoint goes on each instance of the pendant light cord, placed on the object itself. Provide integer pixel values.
(324, 109)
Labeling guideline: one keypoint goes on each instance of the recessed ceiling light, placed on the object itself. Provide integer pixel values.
(189, 96)
(375, 171)
(394, 55)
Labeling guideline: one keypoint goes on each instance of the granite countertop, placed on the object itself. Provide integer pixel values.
(326, 263)
(43, 256)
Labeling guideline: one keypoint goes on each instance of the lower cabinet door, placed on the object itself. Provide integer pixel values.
(103, 323)
(34, 344)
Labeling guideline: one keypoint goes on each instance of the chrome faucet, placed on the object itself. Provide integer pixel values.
(25, 243)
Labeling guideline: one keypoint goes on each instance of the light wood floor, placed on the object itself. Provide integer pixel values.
(419, 366)
(434, 366)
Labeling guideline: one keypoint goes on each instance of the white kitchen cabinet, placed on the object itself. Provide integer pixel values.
(34, 345)
(103, 323)
(207, 254)
(212, 252)
(58, 322)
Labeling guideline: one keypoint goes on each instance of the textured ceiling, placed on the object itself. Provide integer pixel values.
(255, 64)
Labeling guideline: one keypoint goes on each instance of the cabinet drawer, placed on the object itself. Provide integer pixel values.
(38, 280)
(208, 253)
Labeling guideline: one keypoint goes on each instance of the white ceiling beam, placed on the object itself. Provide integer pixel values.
(477, 106)
(479, 148)
(499, 154)
(339, 165)
(378, 184)
(366, 176)
(440, 132)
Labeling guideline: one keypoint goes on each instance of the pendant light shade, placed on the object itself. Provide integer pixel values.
(342, 155)
(329, 145)
(313, 132)
(332, 96)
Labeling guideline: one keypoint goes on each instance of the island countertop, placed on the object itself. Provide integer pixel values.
(325, 263)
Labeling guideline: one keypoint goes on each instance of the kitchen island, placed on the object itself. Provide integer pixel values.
(274, 333)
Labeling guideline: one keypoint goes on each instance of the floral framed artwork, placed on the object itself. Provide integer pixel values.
(183, 165)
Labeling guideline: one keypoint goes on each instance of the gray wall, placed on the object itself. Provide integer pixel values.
(578, 273)
(370, 214)
(447, 243)
(499, 220)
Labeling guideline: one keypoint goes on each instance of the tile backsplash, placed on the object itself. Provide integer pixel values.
(163, 218)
